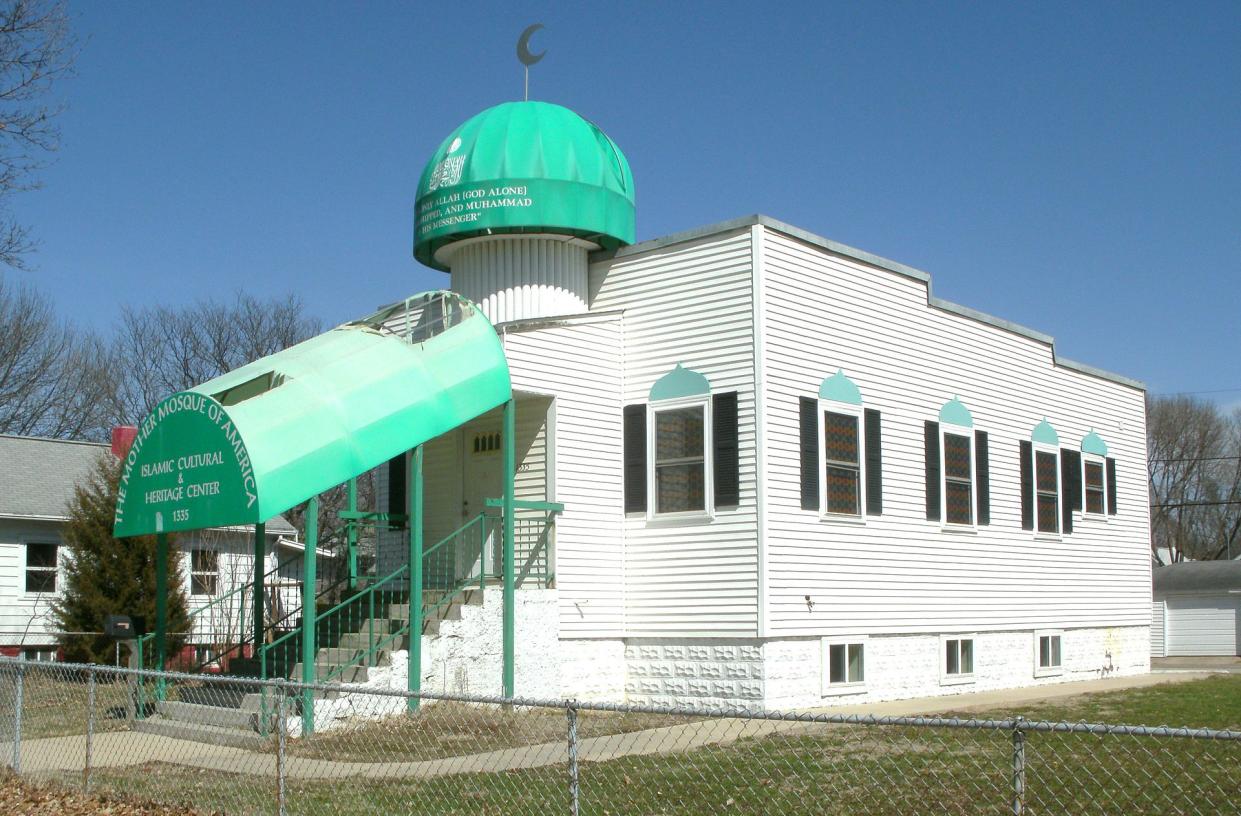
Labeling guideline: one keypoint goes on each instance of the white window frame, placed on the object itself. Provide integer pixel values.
(1048, 671)
(42, 654)
(1036, 449)
(652, 505)
(847, 687)
(56, 586)
(847, 409)
(1094, 459)
(192, 572)
(957, 430)
(946, 679)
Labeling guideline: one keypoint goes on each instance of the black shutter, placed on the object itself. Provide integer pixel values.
(724, 431)
(1111, 486)
(1070, 486)
(931, 449)
(1027, 486)
(635, 458)
(809, 453)
(874, 463)
(982, 473)
(396, 485)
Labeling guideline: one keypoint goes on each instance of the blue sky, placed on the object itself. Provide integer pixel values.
(1073, 167)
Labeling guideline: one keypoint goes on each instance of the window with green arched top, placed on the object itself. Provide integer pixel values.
(841, 452)
(1046, 479)
(957, 468)
(681, 446)
(1094, 474)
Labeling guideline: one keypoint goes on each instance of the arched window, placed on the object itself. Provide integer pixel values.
(1096, 479)
(1045, 477)
(957, 468)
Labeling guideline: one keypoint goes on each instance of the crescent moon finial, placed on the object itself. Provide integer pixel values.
(523, 46)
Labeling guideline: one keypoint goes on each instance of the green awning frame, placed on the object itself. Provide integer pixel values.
(248, 445)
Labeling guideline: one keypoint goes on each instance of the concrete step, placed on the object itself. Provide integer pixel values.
(195, 732)
(351, 674)
(338, 656)
(452, 611)
(195, 714)
(362, 641)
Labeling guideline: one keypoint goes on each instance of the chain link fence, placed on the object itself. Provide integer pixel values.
(236, 746)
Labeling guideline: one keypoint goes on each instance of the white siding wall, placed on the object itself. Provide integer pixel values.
(1203, 625)
(1157, 630)
(900, 573)
(690, 303)
(578, 363)
(17, 607)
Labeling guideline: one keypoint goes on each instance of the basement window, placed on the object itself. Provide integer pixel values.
(958, 665)
(1047, 657)
(844, 666)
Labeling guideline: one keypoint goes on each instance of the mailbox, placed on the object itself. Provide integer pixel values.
(122, 627)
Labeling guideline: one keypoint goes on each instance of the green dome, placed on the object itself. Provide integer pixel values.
(524, 167)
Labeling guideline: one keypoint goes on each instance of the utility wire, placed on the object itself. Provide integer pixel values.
(1195, 504)
(1198, 459)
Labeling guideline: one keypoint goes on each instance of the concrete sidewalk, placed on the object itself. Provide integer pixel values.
(58, 755)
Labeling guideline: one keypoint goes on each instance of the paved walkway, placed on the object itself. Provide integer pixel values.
(128, 748)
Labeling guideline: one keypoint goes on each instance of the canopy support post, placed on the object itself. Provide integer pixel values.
(510, 584)
(260, 562)
(413, 504)
(309, 624)
(351, 535)
(161, 600)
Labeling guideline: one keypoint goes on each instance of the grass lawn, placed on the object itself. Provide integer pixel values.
(863, 770)
(55, 704)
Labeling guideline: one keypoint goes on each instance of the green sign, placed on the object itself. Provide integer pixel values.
(188, 468)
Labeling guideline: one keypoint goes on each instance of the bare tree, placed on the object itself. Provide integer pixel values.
(36, 49)
(1195, 479)
(54, 380)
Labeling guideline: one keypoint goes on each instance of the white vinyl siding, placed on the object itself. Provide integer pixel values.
(690, 303)
(578, 363)
(899, 573)
(1158, 647)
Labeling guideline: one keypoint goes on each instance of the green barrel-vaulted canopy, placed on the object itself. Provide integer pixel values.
(524, 167)
(252, 443)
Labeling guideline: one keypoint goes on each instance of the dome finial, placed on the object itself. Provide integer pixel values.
(523, 53)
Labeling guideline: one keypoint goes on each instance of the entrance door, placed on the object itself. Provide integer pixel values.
(483, 478)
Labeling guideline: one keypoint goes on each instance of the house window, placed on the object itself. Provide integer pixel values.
(41, 567)
(842, 454)
(42, 654)
(204, 572)
(680, 458)
(1047, 487)
(1093, 480)
(1047, 653)
(958, 478)
(204, 655)
(958, 665)
(844, 666)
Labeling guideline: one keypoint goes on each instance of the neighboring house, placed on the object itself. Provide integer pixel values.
(37, 481)
(1197, 609)
(790, 474)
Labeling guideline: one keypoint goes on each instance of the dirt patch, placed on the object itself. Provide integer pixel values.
(21, 798)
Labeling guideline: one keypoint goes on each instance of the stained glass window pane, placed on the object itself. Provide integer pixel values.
(840, 438)
(1046, 472)
(842, 490)
(1048, 514)
(956, 456)
(678, 433)
(958, 502)
(680, 488)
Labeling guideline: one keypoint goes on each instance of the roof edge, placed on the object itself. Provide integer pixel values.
(758, 219)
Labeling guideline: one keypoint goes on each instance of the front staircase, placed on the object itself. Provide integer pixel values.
(232, 713)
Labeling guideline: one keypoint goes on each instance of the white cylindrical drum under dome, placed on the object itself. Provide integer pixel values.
(519, 277)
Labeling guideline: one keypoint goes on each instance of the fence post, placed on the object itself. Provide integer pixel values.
(18, 693)
(90, 728)
(282, 728)
(1019, 767)
(571, 715)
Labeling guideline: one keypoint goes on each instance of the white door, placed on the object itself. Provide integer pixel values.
(482, 475)
(1205, 625)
